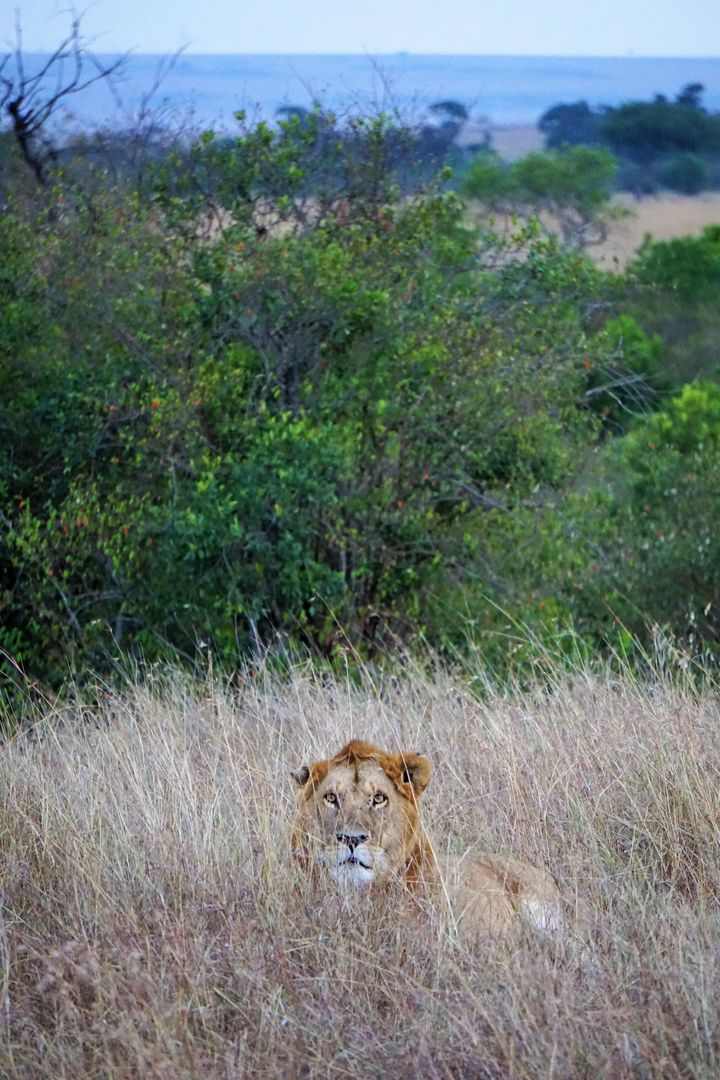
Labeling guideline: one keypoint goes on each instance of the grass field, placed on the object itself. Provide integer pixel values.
(664, 217)
(153, 924)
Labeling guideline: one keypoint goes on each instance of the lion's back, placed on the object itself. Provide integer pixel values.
(494, 894)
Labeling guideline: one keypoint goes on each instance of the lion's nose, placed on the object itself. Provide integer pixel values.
(351, 839)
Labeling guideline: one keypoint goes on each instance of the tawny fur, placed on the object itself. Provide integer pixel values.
(358, 822)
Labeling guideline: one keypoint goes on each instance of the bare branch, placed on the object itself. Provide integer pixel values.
(30, 104)
(620, 382)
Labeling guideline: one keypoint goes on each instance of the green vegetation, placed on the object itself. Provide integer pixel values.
(665, 531)
(647, 131)
(572, 185)
(570, 125)
(688, 267)
(291, 450)
(673, 288)
(659, 143)
(687, 174)
(273, 393)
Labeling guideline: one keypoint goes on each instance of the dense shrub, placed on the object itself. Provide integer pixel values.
(570, 125)
(288, 434)
(687, 174)
(650, 531)
(671, 290)
(276, 407)
(688, 266)
(572, 185)
(629, 381)
(658, 143)
(644, 131)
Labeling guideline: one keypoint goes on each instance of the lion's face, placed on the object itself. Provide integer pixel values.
(358, 815)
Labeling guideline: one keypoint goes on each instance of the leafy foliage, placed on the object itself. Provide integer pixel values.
(273, 398)
(688, 266)
(671, 290)
(572, 185)
(276, 434)
(644, 131)
(660, 538)
(687, 174)
(570, 125)
(659, 143)
(628, 381)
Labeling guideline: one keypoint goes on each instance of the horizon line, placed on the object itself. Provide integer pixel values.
(186, 51)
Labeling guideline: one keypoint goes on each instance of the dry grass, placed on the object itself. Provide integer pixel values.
(153, 924)
(664, 217)
(629, 221)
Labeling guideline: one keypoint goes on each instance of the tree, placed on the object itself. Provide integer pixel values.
(686, 173)
(570, 187)
(454, 109)
(691, 95)
(645, 131)
(570, 125)
(29, 101)
(296, 436)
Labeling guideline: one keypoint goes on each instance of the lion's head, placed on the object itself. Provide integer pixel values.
(358, 815)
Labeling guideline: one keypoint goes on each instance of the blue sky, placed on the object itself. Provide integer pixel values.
(524, 27)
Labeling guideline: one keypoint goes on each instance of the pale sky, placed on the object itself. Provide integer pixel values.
(514, 27)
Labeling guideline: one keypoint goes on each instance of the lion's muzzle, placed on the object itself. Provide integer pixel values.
(351, 840)
(352, 863)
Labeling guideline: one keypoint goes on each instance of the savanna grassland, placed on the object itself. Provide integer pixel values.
(154, 923)
(282, 405)
(666, 216)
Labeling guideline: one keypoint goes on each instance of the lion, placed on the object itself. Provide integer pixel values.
(358, 823)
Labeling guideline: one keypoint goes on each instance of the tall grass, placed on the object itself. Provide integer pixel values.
(153, 924)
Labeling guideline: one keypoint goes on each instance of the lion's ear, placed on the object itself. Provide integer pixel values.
(301, 775)
(416, 770)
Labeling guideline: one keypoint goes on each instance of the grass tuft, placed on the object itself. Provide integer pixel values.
(153, 924)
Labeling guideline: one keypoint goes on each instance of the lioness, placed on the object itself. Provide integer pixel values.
(358, 821)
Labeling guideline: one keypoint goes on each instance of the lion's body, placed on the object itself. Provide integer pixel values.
(358, 820)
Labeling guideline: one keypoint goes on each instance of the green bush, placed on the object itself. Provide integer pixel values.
(688, 266)
(276, 437)
(488, 178)
(647, 130)
(686, 173)
(573, 185)
(570, 125)
(625, 381)
(276, 408)
(649, 551)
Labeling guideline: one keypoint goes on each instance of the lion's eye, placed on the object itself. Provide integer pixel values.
(379, 798)
(331, 798)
